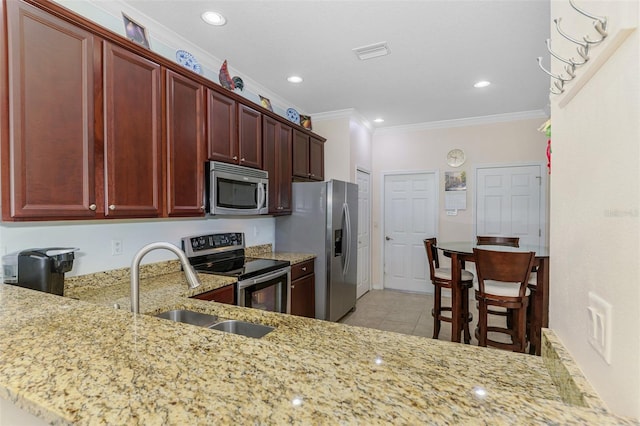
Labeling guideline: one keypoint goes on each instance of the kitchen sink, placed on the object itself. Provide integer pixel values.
(189, 317)
(213, 322)
(244, 328)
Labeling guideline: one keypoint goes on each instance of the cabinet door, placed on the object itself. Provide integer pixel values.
(276, 139)
(132, 151)
(316, 159)
(224, 294)
(222, 132)
(284, 161)
(49, 168)
(185, 145)
(249, 137)
(303, 297)
(300, 154)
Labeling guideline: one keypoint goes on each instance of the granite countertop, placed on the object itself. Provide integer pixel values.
(83, 362)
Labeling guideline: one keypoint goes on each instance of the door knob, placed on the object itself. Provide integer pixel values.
(388, 238)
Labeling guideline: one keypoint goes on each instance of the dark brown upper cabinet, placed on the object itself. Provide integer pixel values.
(132, 127)
(222, 130)
(308, 157)
(277, 146)
(234, 131)
(48, 162)
(184, 128)
(249, 137)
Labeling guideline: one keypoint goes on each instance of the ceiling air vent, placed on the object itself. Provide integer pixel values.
(372, 50)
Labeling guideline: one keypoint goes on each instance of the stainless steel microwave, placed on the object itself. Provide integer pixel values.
(236, 190)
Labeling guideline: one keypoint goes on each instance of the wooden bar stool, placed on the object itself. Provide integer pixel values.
(492, 240)
(442, 278)
(502, 282)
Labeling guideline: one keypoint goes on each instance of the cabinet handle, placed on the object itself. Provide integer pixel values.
(112, 207)
(242, 160)
(304, 269)
(280, 207)
(235, 157)
(93, 207)
(293, 286)
(201, 207)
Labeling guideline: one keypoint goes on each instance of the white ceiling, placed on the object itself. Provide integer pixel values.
(439, 49)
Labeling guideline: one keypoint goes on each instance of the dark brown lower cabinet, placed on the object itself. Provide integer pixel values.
(303, 289)
(224, 294)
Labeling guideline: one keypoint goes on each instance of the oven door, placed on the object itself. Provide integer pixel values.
(269, 292)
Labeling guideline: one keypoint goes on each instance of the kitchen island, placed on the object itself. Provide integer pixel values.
(82, 361)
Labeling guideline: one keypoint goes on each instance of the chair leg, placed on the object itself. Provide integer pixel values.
(437, 308)
(465, 315)
(482, 323)
(521, 323)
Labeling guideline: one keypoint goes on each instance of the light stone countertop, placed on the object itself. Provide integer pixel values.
(83, 362)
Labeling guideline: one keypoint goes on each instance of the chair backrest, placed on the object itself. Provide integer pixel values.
(432, 255)
(498, 241)
(514, 267)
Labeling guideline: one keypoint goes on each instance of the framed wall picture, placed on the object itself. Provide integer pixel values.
(266, 103)
(135, 32)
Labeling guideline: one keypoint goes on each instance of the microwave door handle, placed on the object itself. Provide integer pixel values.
(261, 195)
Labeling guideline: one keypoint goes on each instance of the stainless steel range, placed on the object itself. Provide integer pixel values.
(262, 283)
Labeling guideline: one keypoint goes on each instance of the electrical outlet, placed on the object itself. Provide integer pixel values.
(116, 247)
(600, 325)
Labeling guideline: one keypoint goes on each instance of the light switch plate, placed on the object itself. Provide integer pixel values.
(600, 316)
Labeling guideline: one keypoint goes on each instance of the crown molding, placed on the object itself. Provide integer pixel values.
(463, 122)
(349, 113)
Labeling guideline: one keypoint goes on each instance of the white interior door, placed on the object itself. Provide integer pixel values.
(410, 215)
(509, 202)
(364, 234)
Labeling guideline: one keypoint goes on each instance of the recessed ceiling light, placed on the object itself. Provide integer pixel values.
(482, 83)
(378, 120)
(214, 18)
(294, 79)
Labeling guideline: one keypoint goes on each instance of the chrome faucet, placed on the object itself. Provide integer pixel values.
(189, 273)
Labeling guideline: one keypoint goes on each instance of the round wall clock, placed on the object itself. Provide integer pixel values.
(456, 157)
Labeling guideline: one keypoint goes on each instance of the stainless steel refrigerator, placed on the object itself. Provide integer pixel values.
(324, 221)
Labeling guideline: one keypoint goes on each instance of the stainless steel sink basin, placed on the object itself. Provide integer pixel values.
(213, 322)
(189, 317)
(244, 328)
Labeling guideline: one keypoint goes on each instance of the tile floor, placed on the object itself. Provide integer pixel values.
(401, 312)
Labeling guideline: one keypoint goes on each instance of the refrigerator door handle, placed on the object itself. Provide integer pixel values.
(346, 241)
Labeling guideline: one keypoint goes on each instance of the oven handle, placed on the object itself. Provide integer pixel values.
(263, 278)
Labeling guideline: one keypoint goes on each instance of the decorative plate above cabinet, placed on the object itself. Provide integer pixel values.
(293, 116)
(189, 61)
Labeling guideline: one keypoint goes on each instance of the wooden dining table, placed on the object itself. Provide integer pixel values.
(462, 251)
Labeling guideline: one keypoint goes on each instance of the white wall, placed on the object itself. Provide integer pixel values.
(595, 202)
(94, 238)
(361, 139)
(336, 148)
(418, 149)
